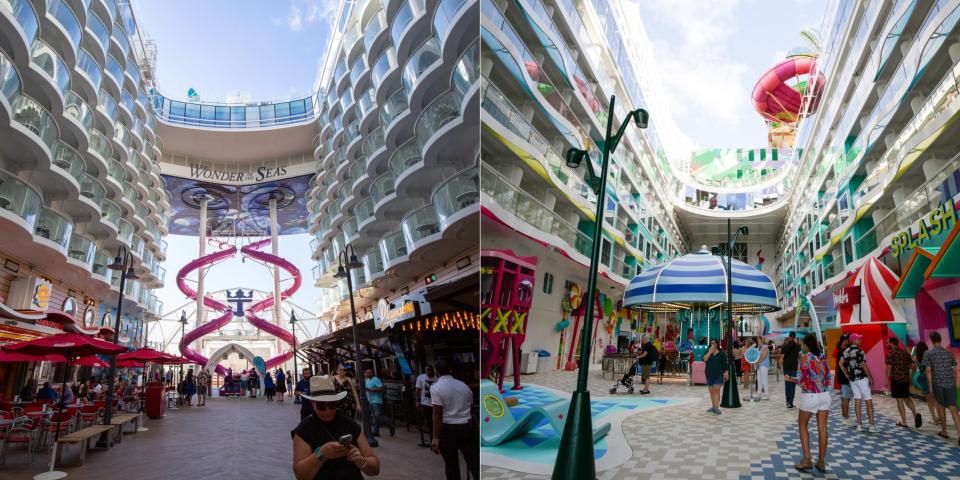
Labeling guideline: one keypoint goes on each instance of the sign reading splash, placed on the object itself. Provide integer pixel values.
(937, 222)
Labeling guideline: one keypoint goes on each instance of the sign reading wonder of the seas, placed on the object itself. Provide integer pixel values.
(261, 174)
(937, 222)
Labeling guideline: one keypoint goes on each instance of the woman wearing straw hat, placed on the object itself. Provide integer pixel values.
(327, 444)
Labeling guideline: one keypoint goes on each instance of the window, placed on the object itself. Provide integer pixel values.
(953, 323)
(90, 317)
(547, 283)
(606, 251)
(106, 320)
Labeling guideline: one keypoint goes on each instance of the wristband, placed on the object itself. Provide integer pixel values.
(317, 453)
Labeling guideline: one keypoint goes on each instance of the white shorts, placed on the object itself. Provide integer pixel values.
(861, 389)
(814, 402)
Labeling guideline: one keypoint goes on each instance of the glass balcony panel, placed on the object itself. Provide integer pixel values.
(68, 160)
(373, 29)
(422, 59)
(18, 198)
(127, 101)
(77, 109)
(401, 20)
(341, 69)
(134, 71)
(467, 70)
(64, 15)
(350, 228)
(129, 193)
(82, 249)
(384, 64)
(109, 105)
(356, 171)
(100, 145)
(364, 210)
(93, 190)
(54, 227)
(382, 187)
(45, 57)
(9, 78)
(100, 262)
(351, 37)
(32, 115)
(126, 231)
(117, 172)
(457, 193)
(114, 69)
(89, 66)
(393, 107)
(99, 30)
(444, 15)
(121, 38)
(136, 245)
(367, 102)
(25, 15)
(359, 66)
(440, 112)
(420, 224)
(373, 262)
(404, 157)
(393, 247)
(112, 213)
(373, 142)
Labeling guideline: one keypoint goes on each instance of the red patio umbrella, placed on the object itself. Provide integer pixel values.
(19, 357)
(91, 361)
(144, 356)
(71, 346)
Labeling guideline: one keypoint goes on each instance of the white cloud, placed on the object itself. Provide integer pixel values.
(700, 76)
(303, 13)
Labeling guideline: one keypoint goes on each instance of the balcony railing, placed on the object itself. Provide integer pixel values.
(25, 15)
(250, 115)
(419, 62)
(45, 57)
(64, 15)
(82, 249)
(77, 109)
(419, 224)
(100, 262)
(54, 227)
(32, 115)
(457, 193)
(67, 159)
(19, 198)
(393, 247)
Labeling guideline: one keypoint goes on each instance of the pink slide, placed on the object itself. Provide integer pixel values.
(228, 251)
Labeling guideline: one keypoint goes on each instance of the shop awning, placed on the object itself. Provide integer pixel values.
(8, 312)
(947, 264)
(914, 274)
(877, 283)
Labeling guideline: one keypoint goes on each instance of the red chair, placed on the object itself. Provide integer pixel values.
(89, 415)
(22, 431)
(57, 421)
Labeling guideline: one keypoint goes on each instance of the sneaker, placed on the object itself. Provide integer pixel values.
(847, 421)
(872, 429)
(710, 410)
(716, 411)
(789, 405)
(765, 397)
(644, 392)
(859, 427)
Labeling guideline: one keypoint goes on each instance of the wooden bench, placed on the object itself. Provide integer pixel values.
(121, 419)
(82, 437)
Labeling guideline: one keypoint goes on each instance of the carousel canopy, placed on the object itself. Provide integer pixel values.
(700, 278)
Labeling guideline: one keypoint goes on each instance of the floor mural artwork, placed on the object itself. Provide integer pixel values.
(536, 452)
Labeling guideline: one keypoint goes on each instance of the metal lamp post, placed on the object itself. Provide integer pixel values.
(575, 459)
(124, 264)
(345, 263)
(293, 330)
(730, 397)
(183, 331)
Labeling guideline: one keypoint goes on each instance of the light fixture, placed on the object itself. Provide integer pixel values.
(131, 275)
(183, 317)
(117, 263)
(341, 272)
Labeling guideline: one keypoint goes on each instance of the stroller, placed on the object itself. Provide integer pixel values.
(637, 369)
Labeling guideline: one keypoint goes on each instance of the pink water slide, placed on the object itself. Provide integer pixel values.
(777, 99)
(228, 251)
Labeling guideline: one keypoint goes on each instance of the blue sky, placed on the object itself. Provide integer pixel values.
(267, 49)
(710, 55)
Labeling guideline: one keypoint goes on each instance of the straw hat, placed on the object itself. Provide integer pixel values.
(322, 390)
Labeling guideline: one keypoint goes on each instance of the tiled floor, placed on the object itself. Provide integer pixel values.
(758, 440)
(231, 438)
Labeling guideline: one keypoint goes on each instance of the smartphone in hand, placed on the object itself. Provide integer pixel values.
(346, 440)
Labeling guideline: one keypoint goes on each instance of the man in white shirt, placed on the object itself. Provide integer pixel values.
(452, 401)
(424, 405)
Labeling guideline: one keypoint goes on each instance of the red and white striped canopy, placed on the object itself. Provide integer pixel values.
(877, 283)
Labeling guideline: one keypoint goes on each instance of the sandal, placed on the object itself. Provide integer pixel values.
(821, 465)
(942, 435)
(804, 465)
(901, 424)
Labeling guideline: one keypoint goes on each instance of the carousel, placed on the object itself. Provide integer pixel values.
(688, 295)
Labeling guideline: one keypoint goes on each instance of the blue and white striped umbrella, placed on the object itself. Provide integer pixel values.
(700, 278)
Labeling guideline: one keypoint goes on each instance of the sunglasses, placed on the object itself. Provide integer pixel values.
(326, 405)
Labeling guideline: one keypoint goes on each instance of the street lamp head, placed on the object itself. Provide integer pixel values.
(354, 262)
(117, 263)
(575, 157)
(293, 318)
(641, 117)
(183, 317)
(341, 272)
(131, 275)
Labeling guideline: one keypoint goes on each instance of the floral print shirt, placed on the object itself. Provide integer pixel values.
(813, 375)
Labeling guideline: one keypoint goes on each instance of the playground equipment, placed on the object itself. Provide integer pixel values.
(228, 251)
(506, 294)
(500, 425)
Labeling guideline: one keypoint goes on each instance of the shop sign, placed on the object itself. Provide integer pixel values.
(405, 311)
(938, 221)
(847, 296)
(41, 295)
(47, 323)
(200, 172)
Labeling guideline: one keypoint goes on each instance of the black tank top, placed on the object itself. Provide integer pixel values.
(316, 433)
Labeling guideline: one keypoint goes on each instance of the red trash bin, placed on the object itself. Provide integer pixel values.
(155, 401)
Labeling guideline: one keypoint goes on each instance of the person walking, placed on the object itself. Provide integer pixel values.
(281, 385)
(254, 384)
(244, 382)
(941, 375)
(646, 356)
(303, 385)
(738, 359)
(789, 362)
(422, 397)
(763, 371)
(813, 376)
(351, 406)
(317, 449)
(846, 393)
(854, 366)
(899, 368)
(268, 387)
(203, 380)
(746, 367)
(189, 387)
(289, 377)
(375, 391)
(918, 351)
(452, 432)
(716, 372)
